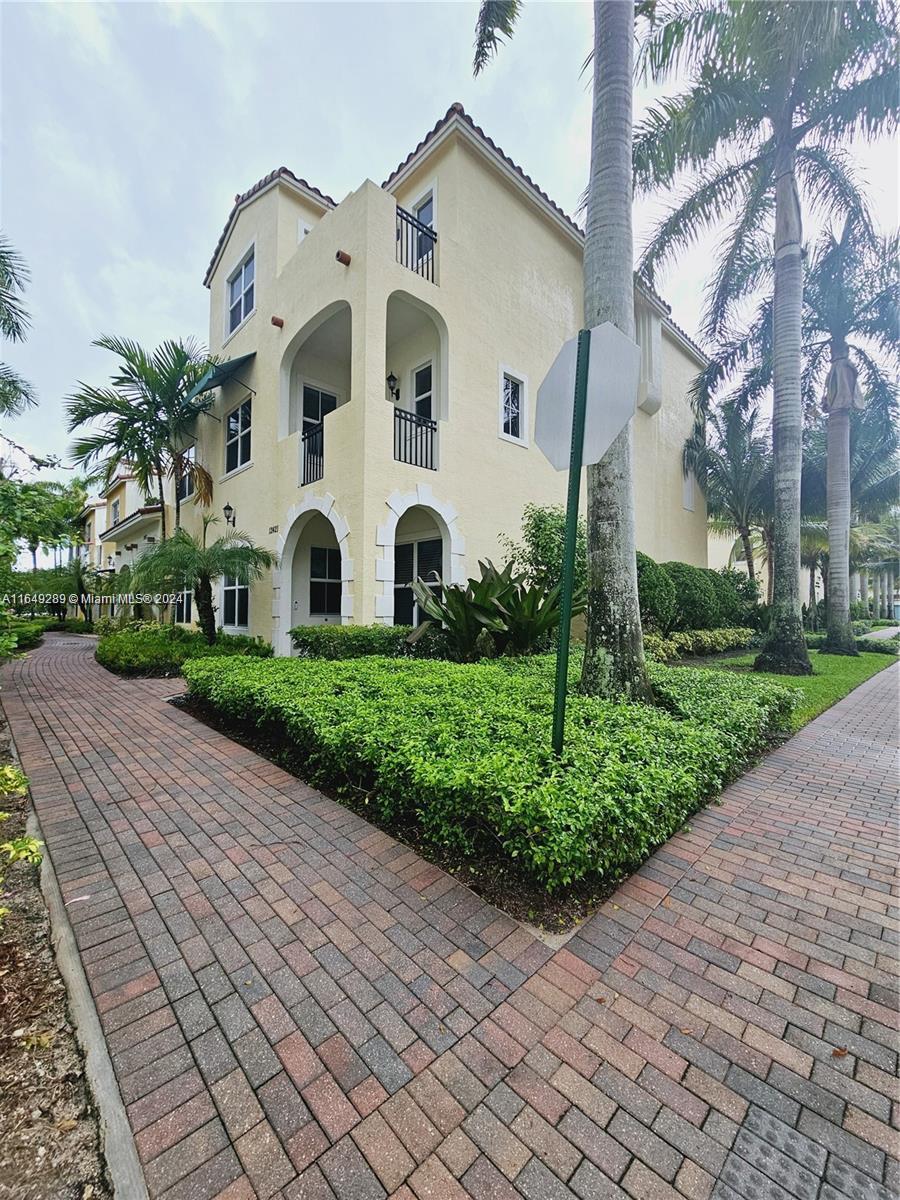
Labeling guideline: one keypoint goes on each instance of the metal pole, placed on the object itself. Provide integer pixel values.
(568, 573)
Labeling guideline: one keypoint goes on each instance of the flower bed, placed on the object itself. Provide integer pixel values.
(464, 750)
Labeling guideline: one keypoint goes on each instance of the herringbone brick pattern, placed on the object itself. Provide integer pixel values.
(298, 1006)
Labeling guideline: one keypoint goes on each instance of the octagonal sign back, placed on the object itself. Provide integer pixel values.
(612, 392)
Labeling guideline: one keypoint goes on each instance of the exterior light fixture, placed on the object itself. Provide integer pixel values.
(393, 386)
(110, 562)
(228, 514)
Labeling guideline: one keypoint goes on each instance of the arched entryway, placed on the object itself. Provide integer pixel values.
(313, 583)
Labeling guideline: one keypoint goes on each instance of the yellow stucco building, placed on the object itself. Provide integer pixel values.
(374, 412)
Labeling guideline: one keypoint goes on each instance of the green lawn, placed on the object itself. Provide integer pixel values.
(834, 675)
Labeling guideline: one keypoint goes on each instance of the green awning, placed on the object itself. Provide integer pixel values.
(219, 374)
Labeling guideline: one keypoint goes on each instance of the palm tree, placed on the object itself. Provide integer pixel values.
(730, 454)
(850, 316)
(187, 562)
(145, 420)
(614, 650)
(775, 88)
(15, 393)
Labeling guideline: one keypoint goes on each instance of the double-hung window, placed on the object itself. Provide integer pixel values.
(513, 419)
(183, 607)
(423, 392)
(424, 213)
(240, 292)
(235, 603)
(415, 560)
(237, 436)
(316, 404)
(114, 514)
(324, 582)
(185, 487)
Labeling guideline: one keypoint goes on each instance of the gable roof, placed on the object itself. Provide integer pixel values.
(280, 175)
(456, 118)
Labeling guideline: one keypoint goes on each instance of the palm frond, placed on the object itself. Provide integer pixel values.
(496, 22)
(14, 277)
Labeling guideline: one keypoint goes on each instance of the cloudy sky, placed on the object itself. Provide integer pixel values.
(128, 128)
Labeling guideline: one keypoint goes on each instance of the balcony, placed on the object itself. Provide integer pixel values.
(414, 439)
(415, 244)
(312, 453)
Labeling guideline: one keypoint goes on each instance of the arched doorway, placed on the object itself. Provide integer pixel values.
(312, 586)
(416, 519)
(418, 555)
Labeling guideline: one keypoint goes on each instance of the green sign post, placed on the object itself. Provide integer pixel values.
(568, 573)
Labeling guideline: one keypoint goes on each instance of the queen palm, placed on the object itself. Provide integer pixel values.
(775, 89)
(614, 651)
(730, 455)
(145, 419)
(185, 562)
(15, 393)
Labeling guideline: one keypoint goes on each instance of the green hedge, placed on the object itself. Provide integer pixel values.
(465, 750)
(656, 593)
(697, 641)
(151, 649)
(361, 641)
(27, 631)
(815, 641)
(696, 604)
(70, 625)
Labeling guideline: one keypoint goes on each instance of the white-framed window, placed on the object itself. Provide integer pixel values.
(415, 560)
(687, 492)
(513, 406)
(183, 607)
(317, 403)
(241, 290)
(114, 515)
(235, 603)
(423, 211)
(324, 581)
(423, 390)
(185, 487)
(237, 435)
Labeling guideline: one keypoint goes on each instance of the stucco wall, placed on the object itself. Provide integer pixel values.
(509, 294)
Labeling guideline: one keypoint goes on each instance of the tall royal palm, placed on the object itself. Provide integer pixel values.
(144, 419)
(729, 453)
(775, 88)
(614, 652)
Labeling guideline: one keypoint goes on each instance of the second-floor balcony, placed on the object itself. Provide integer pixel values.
(414, 439)
(312, 453)
(415, 244)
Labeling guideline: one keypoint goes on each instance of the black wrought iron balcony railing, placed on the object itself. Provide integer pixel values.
(312, 452)
(415, 244)
(414, 439)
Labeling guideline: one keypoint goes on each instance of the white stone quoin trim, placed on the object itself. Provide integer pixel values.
(447, 519)
(285, 547)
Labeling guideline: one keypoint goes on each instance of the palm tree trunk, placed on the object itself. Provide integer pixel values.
(748, 552)
(206, 617)
(864, 591)
(162, 504)
(784, 650)
(614, 650)
(839, 638)
(812, 597)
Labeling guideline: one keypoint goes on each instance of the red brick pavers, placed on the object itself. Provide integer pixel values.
(298, 1006)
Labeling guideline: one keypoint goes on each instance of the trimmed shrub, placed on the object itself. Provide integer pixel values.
(26, 632)
(70, 625)
(697, 641)
(696, 604)
(656, 593)
(737, 597)
(153, 649)
(815, 641)
(361, 641)
(465, 750)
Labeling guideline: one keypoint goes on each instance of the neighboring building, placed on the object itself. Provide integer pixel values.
(376, 410)
(131, 523)
(92, 520)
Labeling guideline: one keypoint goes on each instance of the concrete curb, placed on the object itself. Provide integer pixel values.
(122, 1163)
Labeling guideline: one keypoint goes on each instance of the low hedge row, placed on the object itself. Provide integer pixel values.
(27, 631)
(815, 641)
(465, 750)
(150, 649)
(696, 641)
(361, 641)
(70, 625)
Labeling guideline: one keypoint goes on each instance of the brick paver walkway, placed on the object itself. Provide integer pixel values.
(297, 1006)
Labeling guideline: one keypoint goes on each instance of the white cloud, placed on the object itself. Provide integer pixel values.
(87, 28)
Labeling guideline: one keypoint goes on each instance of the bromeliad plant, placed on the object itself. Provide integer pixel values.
(500, 613)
